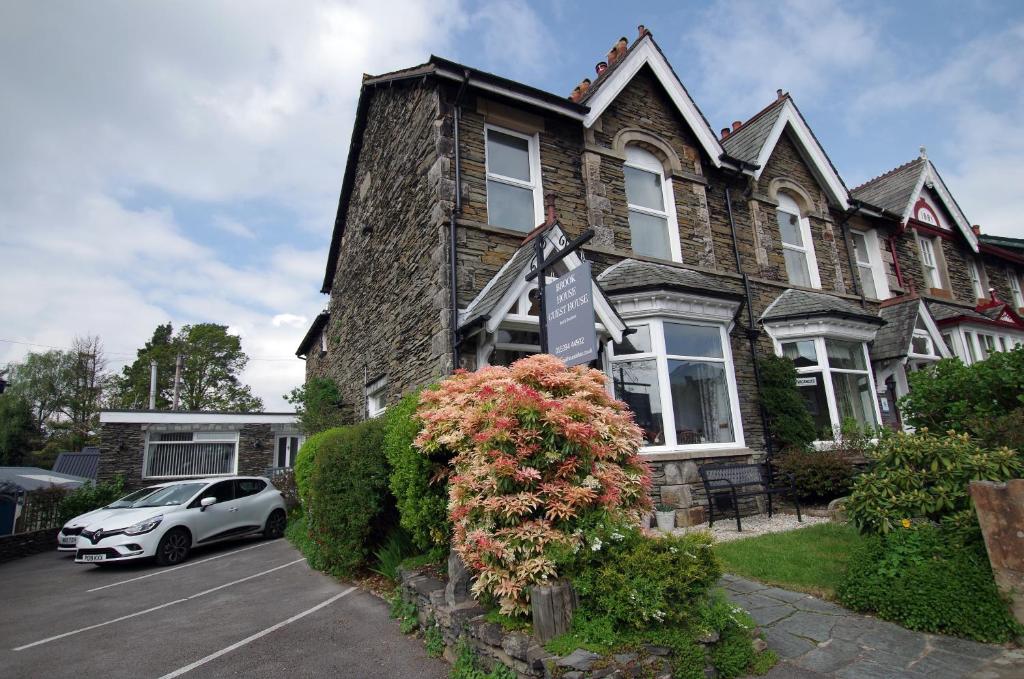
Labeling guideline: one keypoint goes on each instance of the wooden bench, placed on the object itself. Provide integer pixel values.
(734, 480)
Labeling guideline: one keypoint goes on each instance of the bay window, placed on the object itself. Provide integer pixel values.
(514, 198)
(677, 378)
(797, 247)
(834, 377)
(651, 206)
(200, 453)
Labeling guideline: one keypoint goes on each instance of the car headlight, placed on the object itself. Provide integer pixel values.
(144, 526)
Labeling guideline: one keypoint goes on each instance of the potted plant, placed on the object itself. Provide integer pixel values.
(665, 516)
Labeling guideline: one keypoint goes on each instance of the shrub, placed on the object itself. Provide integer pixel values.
(1000, 430)
(395, 550)
(536, 448)
(951, 395)
(418, 480)
(922, 580)
(317, 405)
(89, 497)
(789, 422)
(342, 479)
(924, 475)
(820, 476)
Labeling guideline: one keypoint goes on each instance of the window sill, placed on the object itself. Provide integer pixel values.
(692, 452)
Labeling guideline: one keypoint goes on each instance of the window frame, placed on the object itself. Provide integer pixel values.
(659, 354)
(931, 272)
(290, 455)
(825, 370)
(376, 392)
(231, 437)
(1015, 291)
(873, 263)
(974, 272)
(667, 199)
(536, 180)
(810, 256)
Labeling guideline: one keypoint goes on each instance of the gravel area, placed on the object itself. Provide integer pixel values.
(725, 529)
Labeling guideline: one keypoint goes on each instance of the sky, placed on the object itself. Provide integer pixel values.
(181, 161)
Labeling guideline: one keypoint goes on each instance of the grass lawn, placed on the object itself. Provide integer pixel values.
(810, 560)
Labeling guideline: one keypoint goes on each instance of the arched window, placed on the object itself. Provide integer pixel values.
(797, 248)
(652, 220)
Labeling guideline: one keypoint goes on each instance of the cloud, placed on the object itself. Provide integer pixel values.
(516, 42)
(290, 320)
(233, 227)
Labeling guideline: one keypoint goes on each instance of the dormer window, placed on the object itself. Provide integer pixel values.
(925, 214)
(797, 248)
(652, 221)
(514, 199)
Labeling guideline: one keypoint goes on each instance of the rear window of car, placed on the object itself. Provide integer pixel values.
(249, 487)
(170, 495)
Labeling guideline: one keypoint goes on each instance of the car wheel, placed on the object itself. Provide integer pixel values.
(174, 547)
(275, 524)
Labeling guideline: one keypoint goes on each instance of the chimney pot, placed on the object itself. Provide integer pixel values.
(584, 86)
(601, 67)
(778, 94)
(725, 132)
(642, 31)
(976, 228)
(612, 57)
(736, 125)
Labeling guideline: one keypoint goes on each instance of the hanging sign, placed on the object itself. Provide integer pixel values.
(806, 381)
(569, 303)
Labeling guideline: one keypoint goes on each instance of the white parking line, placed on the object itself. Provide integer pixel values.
(254, 637)
(155, 608)
(185, 565)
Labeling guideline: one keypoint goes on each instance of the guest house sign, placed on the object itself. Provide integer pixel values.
(569, 312)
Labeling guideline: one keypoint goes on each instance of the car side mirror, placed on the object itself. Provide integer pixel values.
(206, 502)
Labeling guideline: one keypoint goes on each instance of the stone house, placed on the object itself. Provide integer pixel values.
(149, 446)
(710, 251)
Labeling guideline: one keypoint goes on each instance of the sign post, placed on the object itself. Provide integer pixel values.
(540, 272)
(569, 317)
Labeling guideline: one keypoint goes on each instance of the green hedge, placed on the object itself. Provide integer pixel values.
(923, 579)
(789, 422)
(89, 497)
(417, 480)
(820, 475)
(342, 477)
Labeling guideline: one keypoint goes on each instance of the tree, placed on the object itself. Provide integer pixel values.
(39, 380)
(317, 405)
(18, 431)
(213, 359)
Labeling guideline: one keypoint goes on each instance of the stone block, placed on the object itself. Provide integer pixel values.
(1000, 508)
(457, 592)
(681, 472)
(677, 496)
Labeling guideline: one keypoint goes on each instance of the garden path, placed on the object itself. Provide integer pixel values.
(817, 639)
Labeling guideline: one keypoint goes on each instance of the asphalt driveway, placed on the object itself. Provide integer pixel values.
(250, 609)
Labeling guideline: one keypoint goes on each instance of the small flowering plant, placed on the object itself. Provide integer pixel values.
(537, 448)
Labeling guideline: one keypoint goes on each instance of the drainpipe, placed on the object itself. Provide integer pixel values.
(752, 332)
(453, 321)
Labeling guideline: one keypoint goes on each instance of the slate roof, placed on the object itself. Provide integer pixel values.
(1013, 244)
(893, 338)
(746, 143)
(805, 304)
(83, 463)
(632, 274)
(942, 311)
(893, 190)
(482, 306)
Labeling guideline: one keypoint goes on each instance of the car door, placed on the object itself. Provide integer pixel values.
(250, 498)
(219, 519)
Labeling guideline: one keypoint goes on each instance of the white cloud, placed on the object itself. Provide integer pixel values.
(517, 43)
(233, 227)
(290, 320)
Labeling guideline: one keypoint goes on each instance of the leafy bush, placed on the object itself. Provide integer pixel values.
(418, 480)
(467, 666)
(820, 475)
(951, 395)
(536, 449)
(403, 611)
(924, 475)
(89, 497)
(789, 422)
(317, 405)
(342, 478)
(395, 550)
(923, 580)
(1000, 430)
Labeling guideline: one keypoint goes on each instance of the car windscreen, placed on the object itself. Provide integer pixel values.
(170, 495)
(131, 498)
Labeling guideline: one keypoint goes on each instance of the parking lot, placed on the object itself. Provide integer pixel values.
(249, 608)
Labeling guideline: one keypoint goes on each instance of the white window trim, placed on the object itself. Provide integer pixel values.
(808, 248)
(874, 255)
(825, 369)
(1015, 291)
(974, 273)
(535, 184)
(375, 397)
(669, 201)
(660, 356)
(932, 275)
(226, 437)
(277, 443)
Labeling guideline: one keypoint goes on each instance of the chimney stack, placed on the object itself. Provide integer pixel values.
(779, 94)
(736, 125)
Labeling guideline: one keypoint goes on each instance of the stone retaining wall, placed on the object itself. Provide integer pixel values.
(26, 544)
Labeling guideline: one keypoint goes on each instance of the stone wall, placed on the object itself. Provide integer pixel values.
(26, 544)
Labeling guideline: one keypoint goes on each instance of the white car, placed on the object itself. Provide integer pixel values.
(168, 522)
(67, 538)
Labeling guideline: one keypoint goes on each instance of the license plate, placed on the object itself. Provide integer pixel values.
(69, 540)
(94, 557)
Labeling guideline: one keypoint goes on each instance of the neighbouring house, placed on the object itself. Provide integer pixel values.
(710, 251)
(16, 485)
(147, 446)
(82, 463)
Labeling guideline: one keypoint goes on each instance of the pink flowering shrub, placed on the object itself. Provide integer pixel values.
(538, 450)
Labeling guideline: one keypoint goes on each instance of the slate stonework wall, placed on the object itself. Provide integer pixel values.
(26, 544)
